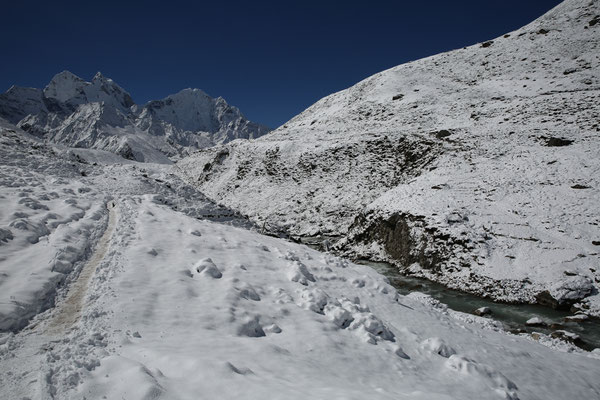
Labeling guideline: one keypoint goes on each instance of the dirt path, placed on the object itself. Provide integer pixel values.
(69, 311)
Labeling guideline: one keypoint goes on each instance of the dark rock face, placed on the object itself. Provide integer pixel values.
(545, 298)
(404, 238)
(566, 336)
(556, 142)
(444, 133)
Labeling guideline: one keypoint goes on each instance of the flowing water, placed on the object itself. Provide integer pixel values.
(512, 316)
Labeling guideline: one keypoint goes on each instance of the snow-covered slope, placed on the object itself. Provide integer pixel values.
(52, 210)
(101, 115)
(477, 168)
(155, 297)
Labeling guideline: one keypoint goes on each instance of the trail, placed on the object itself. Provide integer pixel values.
(68, 312)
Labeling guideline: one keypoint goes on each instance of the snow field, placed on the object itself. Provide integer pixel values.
(253, 330)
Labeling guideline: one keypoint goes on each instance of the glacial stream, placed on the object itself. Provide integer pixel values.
(512, 316)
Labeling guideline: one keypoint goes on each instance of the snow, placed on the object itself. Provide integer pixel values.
(151, 328)
(167, 303)
(482, 161)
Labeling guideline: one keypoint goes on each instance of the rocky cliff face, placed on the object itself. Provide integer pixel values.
(102, 115)
(476, 168)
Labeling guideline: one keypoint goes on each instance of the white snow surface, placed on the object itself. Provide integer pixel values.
(171, 306)
(488, 155)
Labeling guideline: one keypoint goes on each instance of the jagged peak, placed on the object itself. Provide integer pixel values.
(189, 92)
(66, 75)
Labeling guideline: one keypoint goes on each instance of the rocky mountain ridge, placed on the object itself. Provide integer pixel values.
(101, 115)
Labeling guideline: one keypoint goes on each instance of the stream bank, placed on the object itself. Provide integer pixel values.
(514, 317)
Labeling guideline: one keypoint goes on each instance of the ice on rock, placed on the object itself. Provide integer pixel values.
(576, 318)
(535, 321)
(207, 267)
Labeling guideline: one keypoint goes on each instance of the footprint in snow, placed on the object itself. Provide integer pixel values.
(503, 386)
(237, 370)
(251, 328)
(207, 267)
(436, 345)
(247, 291)
(298, 272)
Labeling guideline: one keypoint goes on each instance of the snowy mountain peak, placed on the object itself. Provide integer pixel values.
(194, 110)
(100, 77)
(68, 88)
(64, 86)
(101, 114)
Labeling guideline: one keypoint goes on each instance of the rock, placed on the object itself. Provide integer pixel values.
(482, 311)
(566, 336)
(535, 321)
(517, 331)
(443, 133)
(536, 335)
(5, 235)
(487, 44)
(556, 142)
(576, 318)
(564, 294)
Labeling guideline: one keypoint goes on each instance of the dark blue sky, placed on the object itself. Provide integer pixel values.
(271, 59)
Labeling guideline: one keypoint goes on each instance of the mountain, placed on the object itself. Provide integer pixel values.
(476, 168)
(102, 115)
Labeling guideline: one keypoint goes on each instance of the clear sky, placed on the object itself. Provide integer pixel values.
(272, 59)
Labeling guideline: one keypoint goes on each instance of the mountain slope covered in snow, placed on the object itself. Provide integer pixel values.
(476, 168)
(102, 115)
(128, 284)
